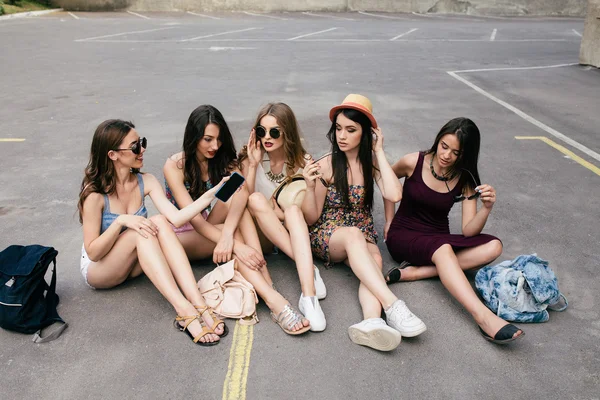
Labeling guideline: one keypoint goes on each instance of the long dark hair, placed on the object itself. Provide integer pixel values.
(292, 143)
(469, 139)
(99, 174)
(218, 166)
(339, 161)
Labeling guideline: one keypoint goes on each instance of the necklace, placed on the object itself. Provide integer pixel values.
(277, 178)
(436, 176)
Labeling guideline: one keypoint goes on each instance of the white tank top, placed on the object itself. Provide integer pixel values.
(263, 185)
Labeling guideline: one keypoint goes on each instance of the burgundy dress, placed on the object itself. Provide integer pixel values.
(420, 225)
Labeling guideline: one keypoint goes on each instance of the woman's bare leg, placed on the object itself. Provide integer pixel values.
(180, 267)
(471, 258)
(274, 300)
(369, 303)
(350, 243)
(116, 266)
(454, 279)
(293, 241)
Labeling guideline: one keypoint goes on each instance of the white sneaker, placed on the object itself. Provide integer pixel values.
(310, 307)
(320, 288)
(403, 320)
(374, 333)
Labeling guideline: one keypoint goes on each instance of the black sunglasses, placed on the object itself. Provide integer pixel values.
(136, 148)
(261, 132)
(462, 197)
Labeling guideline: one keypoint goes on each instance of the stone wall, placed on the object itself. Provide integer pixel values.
(472, 7)
(590, 44)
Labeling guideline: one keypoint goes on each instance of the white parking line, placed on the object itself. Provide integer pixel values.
(265, 16)
(493, 36)
(72, 15)
(383, 16)
(577, 33)
(313, 33)
(520, 113)
(218, 34)
(326, 16)
(123, 33)
(203, 15)
(404, 34)
(138, 15)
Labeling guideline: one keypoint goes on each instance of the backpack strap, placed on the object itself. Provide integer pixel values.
(37, 337)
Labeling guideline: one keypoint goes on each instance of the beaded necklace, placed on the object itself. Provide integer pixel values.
(436, 176)
(277, 178)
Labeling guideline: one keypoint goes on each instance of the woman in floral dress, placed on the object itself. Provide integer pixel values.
(338, 207)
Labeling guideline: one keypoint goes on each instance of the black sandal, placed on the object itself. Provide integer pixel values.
(504, 335)
(394, 275)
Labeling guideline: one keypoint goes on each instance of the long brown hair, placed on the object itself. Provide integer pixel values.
(99, 175)
(292, 142)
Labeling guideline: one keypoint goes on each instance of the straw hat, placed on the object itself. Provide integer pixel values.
(356, 102)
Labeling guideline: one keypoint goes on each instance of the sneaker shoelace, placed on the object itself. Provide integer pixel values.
(403, 310)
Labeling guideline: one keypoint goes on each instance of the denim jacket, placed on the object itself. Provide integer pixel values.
(520, 290)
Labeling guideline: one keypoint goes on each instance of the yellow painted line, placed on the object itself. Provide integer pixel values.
(11, 140)
(563, 150)
(234, 386)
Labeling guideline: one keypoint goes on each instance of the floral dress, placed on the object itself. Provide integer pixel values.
(335, 216)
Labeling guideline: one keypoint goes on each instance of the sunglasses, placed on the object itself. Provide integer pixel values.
(462, 197)
(261, 132)
(136, 148)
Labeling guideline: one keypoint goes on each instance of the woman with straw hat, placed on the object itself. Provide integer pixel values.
(338, 207)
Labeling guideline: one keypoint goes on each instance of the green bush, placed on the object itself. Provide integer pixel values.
(1, 9)
(14, 2)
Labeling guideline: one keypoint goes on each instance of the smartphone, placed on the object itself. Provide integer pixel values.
(230, 187)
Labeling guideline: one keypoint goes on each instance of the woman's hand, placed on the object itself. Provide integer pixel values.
(246, 254)
(140, 224)
(210, 193)
(377, 140)
(311, 173)
(255, 151)
(223, 250)
(488, 195)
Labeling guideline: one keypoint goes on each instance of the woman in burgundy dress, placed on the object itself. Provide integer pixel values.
(418, 236)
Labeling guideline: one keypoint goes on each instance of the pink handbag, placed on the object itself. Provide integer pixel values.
(230, 295)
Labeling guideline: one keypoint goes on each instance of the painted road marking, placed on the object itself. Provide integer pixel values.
(265, 16)
(203, 15)
(218, 34)
(11, 140)
(138, 15)
(383, 16)
(403, 34)
(326, 16)
(313, 33)
(493, 36)
(577, 33)
(72, 15)
(520, 113)
(563, 150)
(122, 33)
(234, 386)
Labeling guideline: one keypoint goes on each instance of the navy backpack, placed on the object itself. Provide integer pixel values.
(27, 302)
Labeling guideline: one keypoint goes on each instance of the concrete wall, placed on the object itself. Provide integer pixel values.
(473, 7)
(590, 43)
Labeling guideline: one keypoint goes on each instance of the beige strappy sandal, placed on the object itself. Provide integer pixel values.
(184, 328)
(288, 318)
(216, 320)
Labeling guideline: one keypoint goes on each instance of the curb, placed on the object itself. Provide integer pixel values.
(29, 14)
